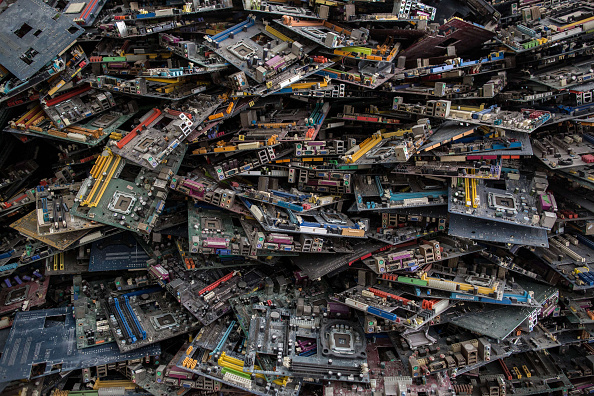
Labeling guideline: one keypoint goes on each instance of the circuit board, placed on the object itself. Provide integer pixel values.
(27, 225)
(407, 312)
(312, 347)
(432, 353)
(53, 211)
(92, 132)
(173, 223)
(224, 368)
(199, 262)
(286, 125)
(521, 203)
(564, 150)
(119, 252)
(284, 197)
(412, 257)
(486, 283)
(408, 233)
(69, 262)
(92, 326)
(43, 342)
(110, 121)
(224, 356)
(267, 335)
(281, 244)
(374, 75)
(387, 147)
(397, 191)
(214, 232)
(249, 39)
(197, 186)
(136, 28)
(496, 322)
(176, 376)
(538, 364)
(155, 144)
(185, 87)
(455, 140)
(18, 172)
(323, 33)
(83, 13)
(315, 266)
(63, 68)
(147, 383)
(448, 132)
(496, 231)
(73, 107)
(491, 117)
(280, 198)
(481, 88)
(191, 50)
(383, 365)
(271, 316)
(206, 295)
(571, 256)
(210, 336)
(155, 11)
(579, 307)
(311, 297)
(278, 8)
(459, 168)
(31, 47)
(144, 317)
(247, 163)
(126, 198)
(326, 222)
(24, 295)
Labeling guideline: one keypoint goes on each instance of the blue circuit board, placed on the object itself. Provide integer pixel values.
(43, 342)
(33, 33)
(120, 252)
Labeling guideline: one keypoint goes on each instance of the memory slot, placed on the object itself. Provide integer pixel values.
(98, 167)
(319, 369)
(106, 182)
(114, 309)
(124, 320)
(129, 321)
(28, 114)
(135, 319)
(36, 117)
(100, 171)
